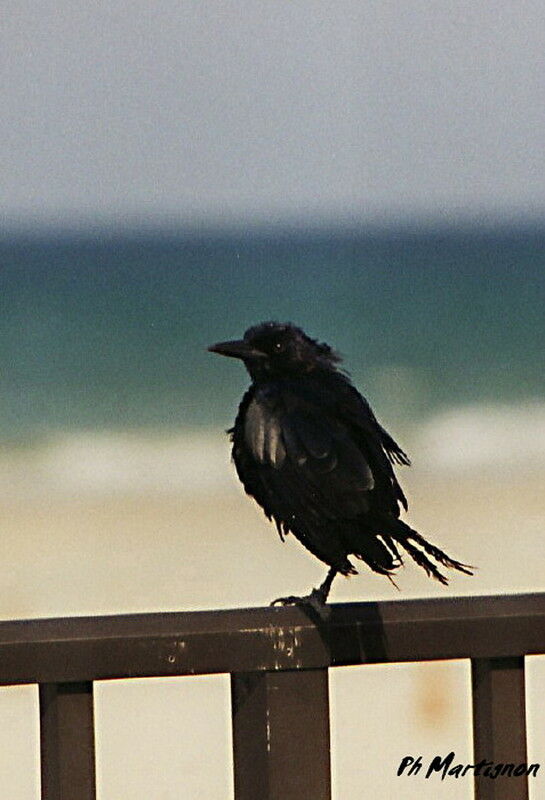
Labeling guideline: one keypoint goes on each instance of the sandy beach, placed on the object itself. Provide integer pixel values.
(162, 551)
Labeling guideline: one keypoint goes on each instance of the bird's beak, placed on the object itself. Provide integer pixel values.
(236, 349)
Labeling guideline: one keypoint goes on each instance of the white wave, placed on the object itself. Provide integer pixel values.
(113, 463)
(117, 463)
(501, 437)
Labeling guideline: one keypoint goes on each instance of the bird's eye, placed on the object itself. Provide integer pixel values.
(278, 346)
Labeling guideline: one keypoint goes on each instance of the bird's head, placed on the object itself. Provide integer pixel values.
(274, 349)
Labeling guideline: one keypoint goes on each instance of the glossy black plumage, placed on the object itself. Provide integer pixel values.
(308, 448)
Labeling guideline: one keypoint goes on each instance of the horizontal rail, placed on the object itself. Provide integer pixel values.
(80, 649)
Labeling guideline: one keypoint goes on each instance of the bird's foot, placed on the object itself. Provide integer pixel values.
(291, 600)
(316, 600)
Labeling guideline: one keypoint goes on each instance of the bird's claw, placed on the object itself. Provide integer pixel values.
(292, 600)
(315, 600)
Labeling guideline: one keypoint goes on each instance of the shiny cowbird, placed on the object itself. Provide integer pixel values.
(308, 448)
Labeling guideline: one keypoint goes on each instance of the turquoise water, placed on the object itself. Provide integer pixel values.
(110, 333)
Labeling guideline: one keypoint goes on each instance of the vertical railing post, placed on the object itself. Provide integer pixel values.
(499, 724)
(281, 735)
(67, 741)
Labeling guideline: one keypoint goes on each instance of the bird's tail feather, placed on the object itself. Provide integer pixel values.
(419, 549)
(379, 552)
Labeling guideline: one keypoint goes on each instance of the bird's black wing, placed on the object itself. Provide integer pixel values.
(294, 458)
(380, 448)
(341, 401)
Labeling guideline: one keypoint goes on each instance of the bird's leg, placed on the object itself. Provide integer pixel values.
(323, 590)
(317, 598)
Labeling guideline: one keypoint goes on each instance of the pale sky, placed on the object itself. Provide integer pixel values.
(271, 110)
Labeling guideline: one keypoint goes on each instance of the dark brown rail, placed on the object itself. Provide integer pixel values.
(80, 649)
(499, 724)
(281, 735)
(278, 659)
(67, 741)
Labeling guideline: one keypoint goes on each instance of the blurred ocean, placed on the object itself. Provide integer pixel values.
(103, 339)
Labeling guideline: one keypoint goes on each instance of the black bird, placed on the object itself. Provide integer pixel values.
(308, 448)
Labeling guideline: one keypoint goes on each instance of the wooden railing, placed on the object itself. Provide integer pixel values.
(278, 659)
